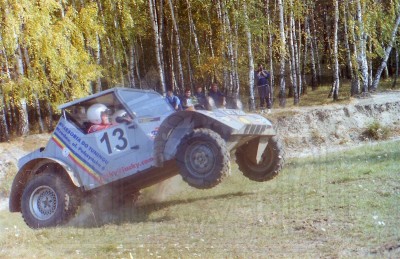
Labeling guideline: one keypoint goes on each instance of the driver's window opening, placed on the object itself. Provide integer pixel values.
(97, 114)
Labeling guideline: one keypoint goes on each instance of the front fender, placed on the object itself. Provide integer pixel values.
(30, 168)
(177, 125)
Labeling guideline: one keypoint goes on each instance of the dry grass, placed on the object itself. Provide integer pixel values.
(339, 205)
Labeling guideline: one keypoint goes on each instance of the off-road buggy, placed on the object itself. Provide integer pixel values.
(147, 143)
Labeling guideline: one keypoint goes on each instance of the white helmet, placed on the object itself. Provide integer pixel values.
(119, 113)
(94, 112)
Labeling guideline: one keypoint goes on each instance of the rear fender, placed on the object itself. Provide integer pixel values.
(30, 169)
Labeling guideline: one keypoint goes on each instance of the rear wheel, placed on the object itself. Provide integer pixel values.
(48, 200)
(271, 162)
(203, 158)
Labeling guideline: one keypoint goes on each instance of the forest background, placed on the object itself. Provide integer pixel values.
(53, 51)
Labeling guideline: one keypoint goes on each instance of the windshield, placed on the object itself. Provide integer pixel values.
(146, 104)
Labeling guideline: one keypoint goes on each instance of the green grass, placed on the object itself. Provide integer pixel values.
(338, 205)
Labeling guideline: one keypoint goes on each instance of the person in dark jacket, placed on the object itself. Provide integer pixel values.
(264, 89)
(188, 101)
(201, 97)
(217, 96)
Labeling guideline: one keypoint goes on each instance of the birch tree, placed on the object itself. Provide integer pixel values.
(336, 83)
(387, 53)
(250, 58)
(293, 57)
(361, 42)
(177, 37)
(282, 50)
(158, 42)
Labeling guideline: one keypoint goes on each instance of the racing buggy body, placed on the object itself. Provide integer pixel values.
(145, 143)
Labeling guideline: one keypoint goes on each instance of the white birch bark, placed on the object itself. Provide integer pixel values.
(293, 55)
(177, 37)
(336, 83)
(193, 31)
(346, 43)
(385, 58)
(314, 76)
(132, 63)
(23, 114)
(158, 43)
(250, 58)
(270, 50)
(362, 54)
(297, 51)
(282, 49)
(355, 83)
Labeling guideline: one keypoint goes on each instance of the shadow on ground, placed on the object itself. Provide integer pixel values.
(89, 216)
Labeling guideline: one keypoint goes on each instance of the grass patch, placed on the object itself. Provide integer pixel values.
(376, 131)
(338, 205)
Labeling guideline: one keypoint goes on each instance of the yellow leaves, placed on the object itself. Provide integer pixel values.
(89, 25)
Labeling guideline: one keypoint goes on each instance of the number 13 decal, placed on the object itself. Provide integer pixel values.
(113, 140)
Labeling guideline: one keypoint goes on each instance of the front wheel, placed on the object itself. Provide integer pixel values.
(271, 162)
(48, 200)
(203, 158)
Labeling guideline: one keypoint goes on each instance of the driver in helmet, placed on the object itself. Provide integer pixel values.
(98, 114)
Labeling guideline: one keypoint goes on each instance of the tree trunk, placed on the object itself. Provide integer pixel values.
(362, 54)
(282, 89)
(181, 82)
(314, 76)
(316, 49)
(347, 45)
(158, 43)
(386, 55)
(293, 56)
(98, 60)
(396, 73)
(297, 51)
(50, 113)
(193, 31)
(336, 83)
(252, 104)
(305, 57)
(355, 83)
(5, 133)
(270, 51)
(23, 123)
(210, 42)
(132, 83)
(23, 111)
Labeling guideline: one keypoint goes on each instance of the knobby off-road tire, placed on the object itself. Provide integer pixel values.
(203, 158)
(271, 162)
(49, 200)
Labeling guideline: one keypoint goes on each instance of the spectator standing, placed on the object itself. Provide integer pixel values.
(188, 102)
(201, 98)
(217, 96)
(264, 90)
(173, 100)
